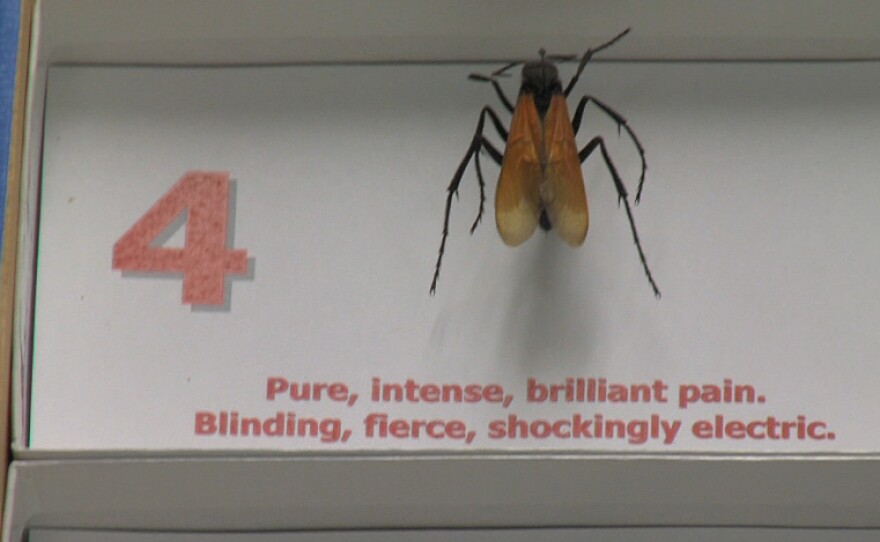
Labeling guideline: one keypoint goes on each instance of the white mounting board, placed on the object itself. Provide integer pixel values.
(757, 219)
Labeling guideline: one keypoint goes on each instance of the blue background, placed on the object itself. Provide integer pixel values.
(10, 12)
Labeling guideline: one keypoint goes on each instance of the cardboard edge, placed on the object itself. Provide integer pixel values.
(10, 231)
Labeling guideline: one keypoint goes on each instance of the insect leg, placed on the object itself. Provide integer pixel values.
(493, 153)
(618, 118)
(586, 58)
(497, 157)
(478, 142)
(498, 90)
(622, 196)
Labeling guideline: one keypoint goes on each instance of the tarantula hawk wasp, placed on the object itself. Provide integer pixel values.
(541, 182)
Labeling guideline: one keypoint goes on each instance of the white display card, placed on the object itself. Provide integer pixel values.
(312, 329)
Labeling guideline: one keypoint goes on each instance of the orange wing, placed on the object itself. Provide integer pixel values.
(562, 191)
(518, 196)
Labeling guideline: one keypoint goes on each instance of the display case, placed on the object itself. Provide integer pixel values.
(230, 221)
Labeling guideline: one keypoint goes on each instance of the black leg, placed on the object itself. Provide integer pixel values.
(586, 58)
(622, 196)
(487, 146)
(493, 78)
(497, 157)
(618, 118)
(478, 142)
(496, 122)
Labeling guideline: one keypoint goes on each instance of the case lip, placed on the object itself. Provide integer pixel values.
(132, 454)
(400, 492)
(188, 32)
(22, 260)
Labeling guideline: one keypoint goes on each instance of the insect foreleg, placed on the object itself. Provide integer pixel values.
(586, 58)
(622, 197)
(501, 96)
(494, 80)
(478, 142)
(621, 122)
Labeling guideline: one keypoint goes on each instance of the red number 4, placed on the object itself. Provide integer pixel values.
(204, 259)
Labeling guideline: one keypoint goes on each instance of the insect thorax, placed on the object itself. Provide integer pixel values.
(541, 80)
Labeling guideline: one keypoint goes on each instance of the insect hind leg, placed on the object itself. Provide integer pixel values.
(622, 196)
(621, 122)
(478, 143)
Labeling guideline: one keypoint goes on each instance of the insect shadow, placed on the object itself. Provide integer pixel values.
(540, 181)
